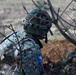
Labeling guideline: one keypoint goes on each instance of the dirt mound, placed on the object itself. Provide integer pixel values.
(57, 50)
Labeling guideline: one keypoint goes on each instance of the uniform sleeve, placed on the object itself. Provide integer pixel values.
(10, 40)
(5, 44)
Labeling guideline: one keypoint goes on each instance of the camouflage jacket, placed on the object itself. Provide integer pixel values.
(30, 50)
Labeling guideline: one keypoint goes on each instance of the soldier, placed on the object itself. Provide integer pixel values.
(36, 26)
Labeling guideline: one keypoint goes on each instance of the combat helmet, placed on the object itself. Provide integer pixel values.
(38, 22)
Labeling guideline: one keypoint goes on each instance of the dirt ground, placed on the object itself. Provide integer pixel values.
(57, 49)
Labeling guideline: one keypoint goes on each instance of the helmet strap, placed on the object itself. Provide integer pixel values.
(46, 40)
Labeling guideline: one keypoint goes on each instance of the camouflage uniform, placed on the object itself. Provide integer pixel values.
(31, 54)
